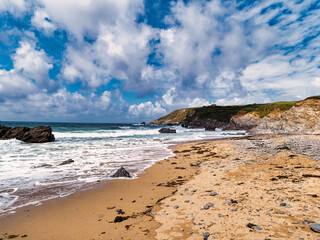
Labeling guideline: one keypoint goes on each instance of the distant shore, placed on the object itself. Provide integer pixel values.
(251, 188)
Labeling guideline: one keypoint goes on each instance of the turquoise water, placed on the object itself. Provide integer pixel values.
(31, 173)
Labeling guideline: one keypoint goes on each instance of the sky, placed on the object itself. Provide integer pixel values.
(132, 60)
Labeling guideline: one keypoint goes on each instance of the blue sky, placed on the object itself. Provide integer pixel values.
(135, 60)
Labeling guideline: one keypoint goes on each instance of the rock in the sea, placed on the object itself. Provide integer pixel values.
(121, 172)
(66, 162)
(143, 123)
(29, 135)
(315, 227)
(167, 130)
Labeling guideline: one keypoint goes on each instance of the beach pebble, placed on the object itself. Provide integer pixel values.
(315, 227)
(308, 220)
(120, 211)
(176, 206)
(208, 205)
(206, 234)
(212, 194)
(258, 228)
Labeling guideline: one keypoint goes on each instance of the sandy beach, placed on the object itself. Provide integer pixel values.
(261, 187)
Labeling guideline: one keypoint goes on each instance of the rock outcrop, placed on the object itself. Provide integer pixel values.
(209, 124)
(244, 121)
(167, 130)
(304, 118)
(301, 117)
(29, 135)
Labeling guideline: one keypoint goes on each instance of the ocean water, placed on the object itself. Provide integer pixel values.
(31, 173)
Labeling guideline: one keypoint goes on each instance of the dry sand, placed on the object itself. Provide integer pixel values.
(212, 187)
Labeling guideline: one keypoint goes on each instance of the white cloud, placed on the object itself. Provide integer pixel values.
(14, 85)
(41, 20)
(81, 17)
(15, 7)
(147, 109)
(33, 64)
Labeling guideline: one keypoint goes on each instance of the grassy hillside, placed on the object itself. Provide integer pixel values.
(221, 113)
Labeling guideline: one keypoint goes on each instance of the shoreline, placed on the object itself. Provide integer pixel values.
(107, 188)
(92, 185)
(151, 200)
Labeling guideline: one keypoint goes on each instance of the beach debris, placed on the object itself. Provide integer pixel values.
(120, 218)
(66, 162)
(167, 130)
(311, 175)
(315, 227)
(121, 172)
(13, 236)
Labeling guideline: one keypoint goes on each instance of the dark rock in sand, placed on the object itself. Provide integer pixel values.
(29, 135)
(206, 234)
(307, 220)
(315, 227)
(212, 194)
(120, 219)
(208, 205)
(121, 172)
(167, 130)
(66, 162)
(120, 211)
(251, 225)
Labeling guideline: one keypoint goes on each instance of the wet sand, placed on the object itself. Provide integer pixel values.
(263, 187)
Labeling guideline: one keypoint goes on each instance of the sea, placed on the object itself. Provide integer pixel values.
(31, 173)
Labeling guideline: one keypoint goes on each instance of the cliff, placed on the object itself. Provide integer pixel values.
(279, 117)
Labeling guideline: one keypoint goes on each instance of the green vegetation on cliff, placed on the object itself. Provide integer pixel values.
(221, 113)
(268, 108)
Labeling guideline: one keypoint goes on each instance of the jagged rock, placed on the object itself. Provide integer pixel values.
(3, 130)
(120, 218)
(66, 162)
(209, 124)
(121, 172)
(29, 135)
(304, 118)
(143, 123)
(167, 130)
(244, 121)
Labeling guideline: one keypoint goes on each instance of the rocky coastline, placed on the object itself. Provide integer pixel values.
(301, 117)
(39, 134)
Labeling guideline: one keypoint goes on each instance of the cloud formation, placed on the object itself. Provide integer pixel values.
(131, 58)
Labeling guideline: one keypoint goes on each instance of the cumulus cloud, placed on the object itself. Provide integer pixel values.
(15, 7)
(147, 109)
(41, 21)
(208, 52)
(34, 65)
